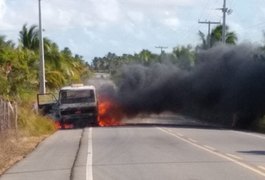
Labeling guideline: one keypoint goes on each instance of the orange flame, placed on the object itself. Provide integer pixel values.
(66, 126)
(110, 114)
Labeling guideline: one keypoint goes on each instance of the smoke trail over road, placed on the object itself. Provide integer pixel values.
(228, 83)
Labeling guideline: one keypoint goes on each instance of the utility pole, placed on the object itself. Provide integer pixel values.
(42, 89)
(225, 11)
(209, 30)
(161, 47)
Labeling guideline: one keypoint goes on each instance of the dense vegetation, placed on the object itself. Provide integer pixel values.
(19, 79)
(19, 64)
(181, 56)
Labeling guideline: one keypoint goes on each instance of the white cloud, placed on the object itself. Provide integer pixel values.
(63, 14)
(136, 16)
(90, 34)
(238, 29)
(172, 23)
(128, 24)
(106, 10)
(3, 12)
(67, 14)
(160, 4)
(2, 8)
(115, 43)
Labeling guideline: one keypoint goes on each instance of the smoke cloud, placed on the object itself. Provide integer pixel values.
(226, 86)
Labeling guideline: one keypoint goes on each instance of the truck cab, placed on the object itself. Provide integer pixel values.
(77, 105)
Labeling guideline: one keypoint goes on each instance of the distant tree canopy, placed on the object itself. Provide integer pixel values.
(181, 56)
(19, 64)
(216, 36)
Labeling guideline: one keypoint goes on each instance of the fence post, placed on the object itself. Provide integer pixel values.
(9, 117)
(1, 115)
(15, 114)
(12, 116)
(5, 119)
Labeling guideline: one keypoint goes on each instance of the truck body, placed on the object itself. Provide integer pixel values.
(76, 106)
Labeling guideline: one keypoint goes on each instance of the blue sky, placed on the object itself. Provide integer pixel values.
(95, 27)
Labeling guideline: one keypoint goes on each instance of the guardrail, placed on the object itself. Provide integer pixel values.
(8, 115)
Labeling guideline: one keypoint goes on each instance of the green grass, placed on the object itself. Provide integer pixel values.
(32, 129)
(33, 124)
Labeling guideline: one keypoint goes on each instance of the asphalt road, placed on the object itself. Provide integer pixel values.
(145, 152)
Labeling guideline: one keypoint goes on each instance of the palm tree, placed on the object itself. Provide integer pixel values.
(52, 54)
(145, 57)
(4, 43)
(28, 38)
(204, 41)
(216, 36)
(184, 57)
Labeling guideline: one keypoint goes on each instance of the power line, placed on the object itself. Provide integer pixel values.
(161, 48)
(209, 23)
(193, 26)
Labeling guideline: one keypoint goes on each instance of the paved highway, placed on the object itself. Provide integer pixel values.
(145, 152)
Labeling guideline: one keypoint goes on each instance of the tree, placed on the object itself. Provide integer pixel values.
(28, 38)
(52, 54)
(66, 52)
(19, 66)
(145, 57)
(204, 44)
(184, 57)
(216, 36)
(7, 44)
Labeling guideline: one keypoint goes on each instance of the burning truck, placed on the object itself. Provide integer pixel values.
(76, 106)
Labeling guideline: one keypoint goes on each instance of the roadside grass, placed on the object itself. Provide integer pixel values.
(32, 129)
(29, 121)
(33, 124)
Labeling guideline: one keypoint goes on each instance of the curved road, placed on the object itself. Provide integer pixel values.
(145, 152)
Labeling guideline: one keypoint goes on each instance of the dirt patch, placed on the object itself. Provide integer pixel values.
(14, 146)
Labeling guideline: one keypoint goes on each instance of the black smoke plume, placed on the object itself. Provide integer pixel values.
(226, 86)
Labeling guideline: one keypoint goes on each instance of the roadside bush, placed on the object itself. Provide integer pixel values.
(33, 124)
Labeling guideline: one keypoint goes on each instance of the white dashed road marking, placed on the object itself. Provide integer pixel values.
(229, 157)
(89, 173)
(233, 156)
(209, 147)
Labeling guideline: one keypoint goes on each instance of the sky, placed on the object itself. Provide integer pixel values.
(92, 28)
